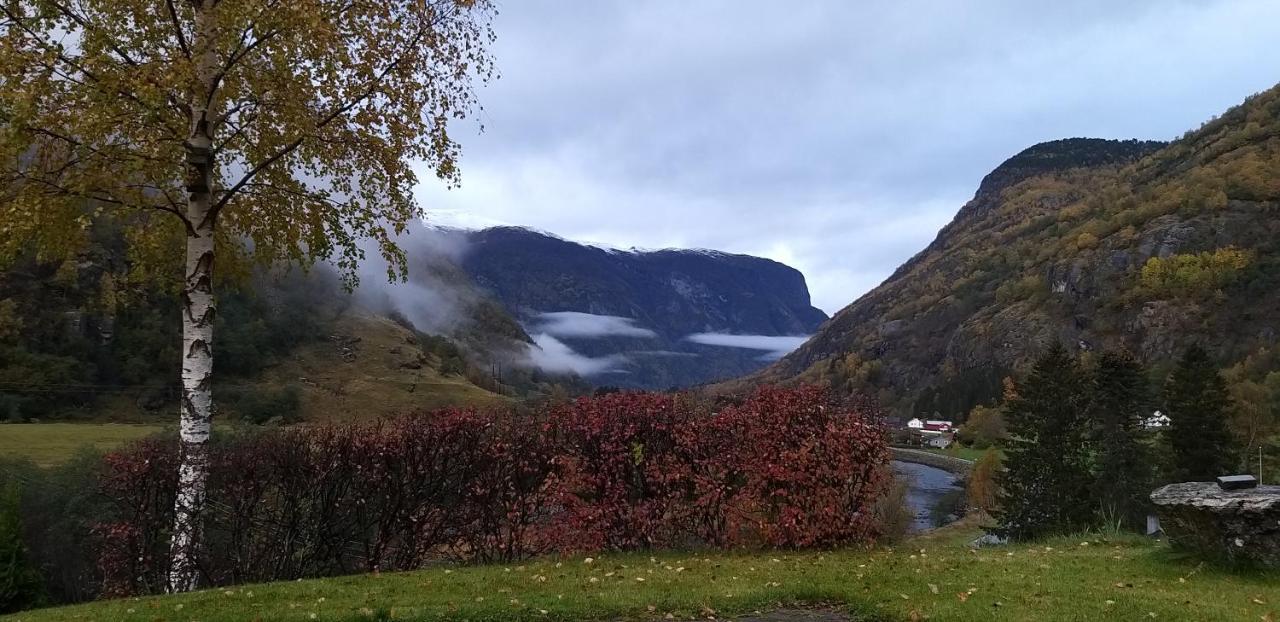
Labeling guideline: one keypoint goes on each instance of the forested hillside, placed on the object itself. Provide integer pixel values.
(82, 339)
(1092, 243)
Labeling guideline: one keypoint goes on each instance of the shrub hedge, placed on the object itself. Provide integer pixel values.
(623, 471)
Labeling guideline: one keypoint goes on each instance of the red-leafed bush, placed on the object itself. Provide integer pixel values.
(783, 468)
(811, 470)
(134, 547)
(623, 477)
(506, 501)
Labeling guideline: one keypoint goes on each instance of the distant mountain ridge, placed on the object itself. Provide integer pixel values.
(672, 293)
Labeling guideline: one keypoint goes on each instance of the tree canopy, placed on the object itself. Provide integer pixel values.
(320, 112)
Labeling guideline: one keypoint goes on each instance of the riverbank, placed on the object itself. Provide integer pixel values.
(958, 466)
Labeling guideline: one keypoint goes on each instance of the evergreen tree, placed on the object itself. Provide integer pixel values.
(1045, 483)
(1122, 467)
(1197, 403)
(20, 584)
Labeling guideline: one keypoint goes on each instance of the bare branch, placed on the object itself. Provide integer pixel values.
(177, 29)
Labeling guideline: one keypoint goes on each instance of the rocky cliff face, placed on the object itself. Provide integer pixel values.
(633, 312)
(1093, 243)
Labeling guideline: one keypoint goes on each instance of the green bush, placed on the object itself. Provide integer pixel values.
(12, 407)
(60, 507)
(261, 405)
(983, 429)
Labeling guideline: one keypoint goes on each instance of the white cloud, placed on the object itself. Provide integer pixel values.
(774, 347)
(571, 324)
(552, 355)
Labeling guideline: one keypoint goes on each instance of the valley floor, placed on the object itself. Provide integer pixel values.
(935, 576)
(51, 444)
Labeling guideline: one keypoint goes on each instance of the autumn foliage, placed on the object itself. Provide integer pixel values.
(625, 471)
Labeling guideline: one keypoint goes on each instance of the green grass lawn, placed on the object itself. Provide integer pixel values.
(50, 444)
(935, 577)
(957, 451)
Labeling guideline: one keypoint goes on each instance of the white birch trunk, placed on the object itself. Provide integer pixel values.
(198, 310)
(196, 407)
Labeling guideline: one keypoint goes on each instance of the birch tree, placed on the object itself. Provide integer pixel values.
(232, 132)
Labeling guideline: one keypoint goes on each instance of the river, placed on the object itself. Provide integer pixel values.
(926, 487)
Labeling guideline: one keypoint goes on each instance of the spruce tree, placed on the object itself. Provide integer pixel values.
(1122, 467)
(1045, 483)
(1197, 403)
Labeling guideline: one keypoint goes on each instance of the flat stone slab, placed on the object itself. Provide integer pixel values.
(1240, 527)
(798, 615)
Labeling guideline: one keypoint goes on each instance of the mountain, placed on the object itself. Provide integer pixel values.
(642, 318)
(1093, 243)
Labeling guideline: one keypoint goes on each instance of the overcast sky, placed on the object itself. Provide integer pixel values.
(835, 136)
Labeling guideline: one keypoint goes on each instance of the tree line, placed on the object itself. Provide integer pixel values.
(1078, 454)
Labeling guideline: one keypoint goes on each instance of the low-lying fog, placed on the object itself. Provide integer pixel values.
(552, 354)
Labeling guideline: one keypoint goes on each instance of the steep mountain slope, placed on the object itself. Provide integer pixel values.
(633, 312)
(1093, 243)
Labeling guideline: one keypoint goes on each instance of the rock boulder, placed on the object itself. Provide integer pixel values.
(1239, 527)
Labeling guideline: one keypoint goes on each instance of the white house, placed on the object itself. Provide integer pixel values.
(915, 424)
(1156, 420)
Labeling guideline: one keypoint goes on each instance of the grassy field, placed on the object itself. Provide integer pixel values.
(957, 451)
(375, 381)
(932, 577)
(49, 444)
